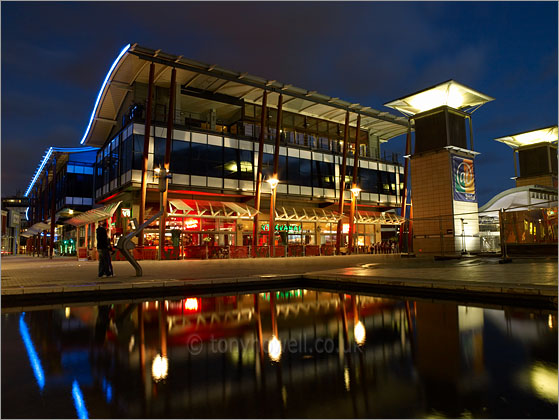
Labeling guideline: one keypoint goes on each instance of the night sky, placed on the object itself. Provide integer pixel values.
(56, 55)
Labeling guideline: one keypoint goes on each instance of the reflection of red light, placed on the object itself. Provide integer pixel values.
(191, 304)
(191, 224)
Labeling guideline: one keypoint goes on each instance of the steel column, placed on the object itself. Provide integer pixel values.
(342, 185)
(354, 185)
(404, 192)
(147, 130)
(515, 164)
(271, 233)
(52, 209)
(471, 134)
(263, 121)
(170, 125)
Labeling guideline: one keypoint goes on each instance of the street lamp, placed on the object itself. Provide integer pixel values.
(355, 190)
(273, 181)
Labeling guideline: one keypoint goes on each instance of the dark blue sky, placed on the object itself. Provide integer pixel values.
(55, 56)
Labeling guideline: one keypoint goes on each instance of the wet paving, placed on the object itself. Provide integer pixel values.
(280, 354)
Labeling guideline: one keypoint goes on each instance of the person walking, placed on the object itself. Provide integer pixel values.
(103, 249)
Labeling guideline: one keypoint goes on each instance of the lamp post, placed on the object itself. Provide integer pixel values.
(355, 190)
(271, 231)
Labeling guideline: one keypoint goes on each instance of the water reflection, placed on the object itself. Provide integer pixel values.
(298, 353)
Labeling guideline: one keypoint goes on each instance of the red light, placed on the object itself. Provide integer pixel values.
(191, 304)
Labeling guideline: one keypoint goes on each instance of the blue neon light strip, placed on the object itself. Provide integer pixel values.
(124, 50)
(79, 402)
(27, 213)
(41, 166)
(31, 353)
(47, 157)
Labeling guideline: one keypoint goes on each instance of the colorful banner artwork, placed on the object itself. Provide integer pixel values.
(463, 174)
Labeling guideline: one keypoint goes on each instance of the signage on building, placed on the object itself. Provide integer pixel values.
(463, 179)
(191, 224)
(125, 212)
(14, 218)
(282, 228)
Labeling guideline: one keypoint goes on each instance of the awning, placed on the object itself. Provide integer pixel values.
(35, 229)
(377, 218)
(210, 209)
(292, 214)
(94, 215)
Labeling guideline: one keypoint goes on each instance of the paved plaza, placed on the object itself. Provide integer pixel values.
(37, 277)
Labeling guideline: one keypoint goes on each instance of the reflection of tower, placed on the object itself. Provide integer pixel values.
(442, 166)
(449, 355)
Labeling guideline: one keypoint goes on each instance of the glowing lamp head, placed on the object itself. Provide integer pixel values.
(159, 368)
(359, 333)
(273, 182)
(274, 349)
(157, 171)
(70, 211)
(449, 93)
(355, 191)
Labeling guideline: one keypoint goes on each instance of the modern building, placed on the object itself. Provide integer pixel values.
(216, 183)
(13, 220)
(524, 219)
(61, 186)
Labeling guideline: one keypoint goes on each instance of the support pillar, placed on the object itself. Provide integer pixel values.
(147, 131)
(52, 209)
(263, 121)
(272, 232)
(404, 192)
(170, 121)
(354, 185)
(342, 185)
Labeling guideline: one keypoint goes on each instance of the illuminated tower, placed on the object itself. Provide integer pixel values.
(445, 219)
(537, 156)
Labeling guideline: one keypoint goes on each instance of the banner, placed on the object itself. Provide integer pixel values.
(463, 178)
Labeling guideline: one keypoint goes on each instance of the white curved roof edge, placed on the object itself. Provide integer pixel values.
(491, 206)
(102, 90)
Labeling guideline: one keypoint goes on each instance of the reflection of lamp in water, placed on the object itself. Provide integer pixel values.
(359, 333)
(274, 349)
(159, 368)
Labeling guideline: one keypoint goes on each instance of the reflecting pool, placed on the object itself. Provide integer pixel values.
(285, 353)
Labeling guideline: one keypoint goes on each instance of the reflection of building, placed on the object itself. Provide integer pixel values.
(444, 203)
(216, 121)
(529, 222)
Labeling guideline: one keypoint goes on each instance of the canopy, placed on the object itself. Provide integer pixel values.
(210, 209)
(450, 93)
(94, 215)
(227, 87)
(527, 138)
(377, 218)
(292, 214)
(35, 229)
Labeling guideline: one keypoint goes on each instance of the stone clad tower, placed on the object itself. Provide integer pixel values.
(443, 188)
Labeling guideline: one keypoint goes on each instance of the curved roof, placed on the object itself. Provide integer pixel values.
(131, 65)
(520, 198)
